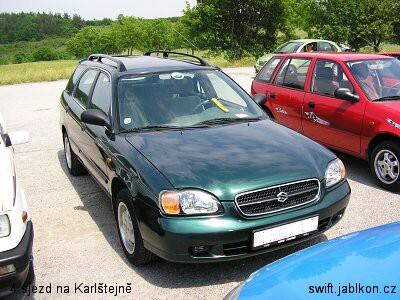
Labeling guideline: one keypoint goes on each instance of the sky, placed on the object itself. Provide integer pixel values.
(98, 9)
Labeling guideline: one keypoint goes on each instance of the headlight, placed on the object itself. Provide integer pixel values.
(189, 202)
(5, 227)
(335, 172)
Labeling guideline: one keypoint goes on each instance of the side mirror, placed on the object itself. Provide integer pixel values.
(260, 99)
(16, 138)
(95, 117)
(345, 94)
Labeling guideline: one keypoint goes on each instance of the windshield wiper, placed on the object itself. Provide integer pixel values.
(162, 127)
(387, 98)
(228, 120)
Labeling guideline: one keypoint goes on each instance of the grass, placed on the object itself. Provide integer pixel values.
(62, 69)
(8, 51)
(36, 71)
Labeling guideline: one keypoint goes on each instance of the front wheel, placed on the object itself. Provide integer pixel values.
(384, 165)
(128, 230)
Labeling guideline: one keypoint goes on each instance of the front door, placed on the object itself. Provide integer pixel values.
(334, 122)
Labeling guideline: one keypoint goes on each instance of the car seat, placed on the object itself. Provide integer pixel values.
(324, 81)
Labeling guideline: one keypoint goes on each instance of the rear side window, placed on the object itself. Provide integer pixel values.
(266, 72)
(293, 74)
(84, 87)
(101, 98)
(325, 47)
(74, 78)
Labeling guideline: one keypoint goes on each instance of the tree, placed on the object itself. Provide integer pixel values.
(93, 40)
(236, 27)
(357, 22)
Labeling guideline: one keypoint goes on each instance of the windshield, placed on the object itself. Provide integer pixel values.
(378, 79)
(182, 99)
(289, 47)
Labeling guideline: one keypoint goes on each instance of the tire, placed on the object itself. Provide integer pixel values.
(128, 230)
(74, 165)
(384, 165)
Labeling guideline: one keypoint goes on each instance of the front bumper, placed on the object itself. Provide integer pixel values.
(229, 236)
(20, 257)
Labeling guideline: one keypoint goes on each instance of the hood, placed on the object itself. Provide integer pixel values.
(366, 257)
(265, 58)
(229, 159)
(393, 107)
(6, 179)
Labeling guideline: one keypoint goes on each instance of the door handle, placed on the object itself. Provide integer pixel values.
(311, 104)
(272, 96)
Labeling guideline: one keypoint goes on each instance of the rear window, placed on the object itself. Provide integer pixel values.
(74, 78)
(266, 72)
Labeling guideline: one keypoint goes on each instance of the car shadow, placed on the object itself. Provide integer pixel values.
(162, 273)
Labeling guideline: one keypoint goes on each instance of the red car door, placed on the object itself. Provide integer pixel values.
(287, 92)
(334, 122)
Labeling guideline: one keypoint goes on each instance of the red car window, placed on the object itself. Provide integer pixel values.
(266, 73)
(327, 77)
(293, 73)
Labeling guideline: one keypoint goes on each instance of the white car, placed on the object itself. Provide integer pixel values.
(16, 231)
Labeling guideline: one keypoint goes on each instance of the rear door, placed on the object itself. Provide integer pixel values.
(96, 137)
(262, 82)
(287, 92)
(334, 122)
(76, 105)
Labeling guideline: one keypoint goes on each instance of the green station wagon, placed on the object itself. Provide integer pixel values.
(195, 170)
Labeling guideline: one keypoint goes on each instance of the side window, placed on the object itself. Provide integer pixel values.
(294, 73)
(74, 78)
(84, 86)
(266, 72)
(327, 77)
(325, 47)
(101, 98)
(281, 74)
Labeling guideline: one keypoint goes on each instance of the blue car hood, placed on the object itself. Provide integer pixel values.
(370, 257)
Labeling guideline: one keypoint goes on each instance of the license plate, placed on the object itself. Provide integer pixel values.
(284, 233)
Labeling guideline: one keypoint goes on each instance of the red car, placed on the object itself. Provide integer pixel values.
(348, 102)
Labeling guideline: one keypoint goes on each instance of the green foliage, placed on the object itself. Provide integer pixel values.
(20, 57)
(236, 27)
(357, 22)
(93, 40)
(36, 26)
(44, 54)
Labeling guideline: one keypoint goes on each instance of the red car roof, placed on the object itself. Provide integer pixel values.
(342, 56)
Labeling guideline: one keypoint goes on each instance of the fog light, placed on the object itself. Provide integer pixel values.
(200, 249)
(7, 270)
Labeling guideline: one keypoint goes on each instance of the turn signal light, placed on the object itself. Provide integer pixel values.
(24, 216)
(170, 203)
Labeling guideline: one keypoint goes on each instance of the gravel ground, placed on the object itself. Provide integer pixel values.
(75, 233)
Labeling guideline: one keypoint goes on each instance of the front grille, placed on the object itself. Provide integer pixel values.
(265, 201)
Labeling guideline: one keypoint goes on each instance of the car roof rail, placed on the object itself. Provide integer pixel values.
(99, 58)
(166, 54)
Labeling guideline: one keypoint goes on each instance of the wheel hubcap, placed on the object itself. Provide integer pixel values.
(125, 226)
(67, 150)
(387, 166)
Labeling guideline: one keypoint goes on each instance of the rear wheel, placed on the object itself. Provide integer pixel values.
(384, 165)
(128, 230)
(75, 167)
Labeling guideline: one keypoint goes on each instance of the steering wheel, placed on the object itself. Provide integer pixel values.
(200, 104)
